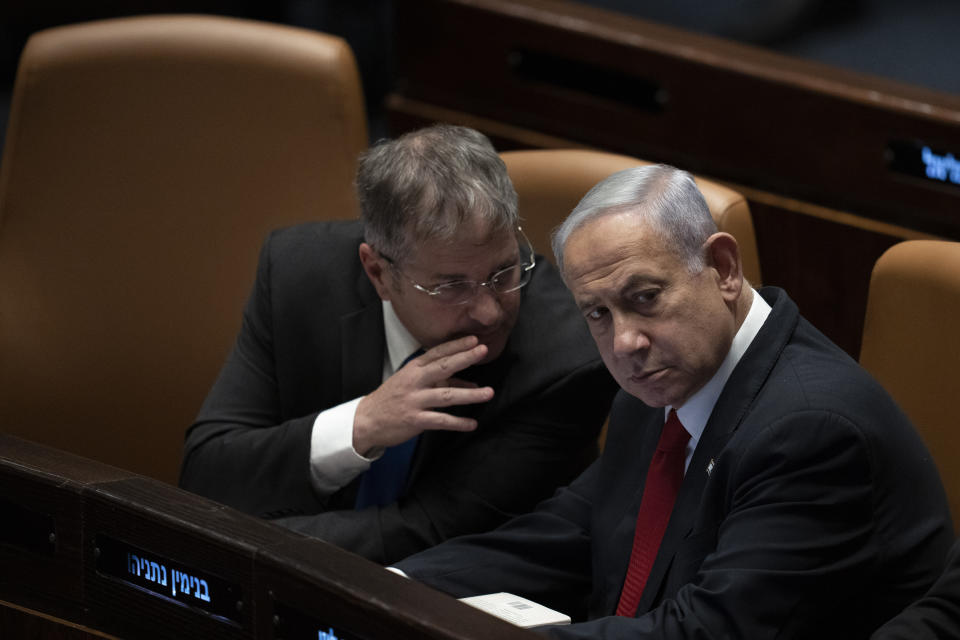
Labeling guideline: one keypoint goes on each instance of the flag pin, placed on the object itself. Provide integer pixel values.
(710, 466)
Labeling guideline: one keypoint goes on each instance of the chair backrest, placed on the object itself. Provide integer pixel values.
(550, 182)
(911, 344)
(145, 161)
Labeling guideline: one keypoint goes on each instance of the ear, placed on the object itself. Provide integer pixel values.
(376, 268)
(723, 256)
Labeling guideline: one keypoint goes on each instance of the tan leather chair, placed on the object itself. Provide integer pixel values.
(911, 345)
(550, 182)
(146, 159)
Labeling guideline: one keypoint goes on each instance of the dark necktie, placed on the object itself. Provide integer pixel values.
(659, 493)
(383, 482)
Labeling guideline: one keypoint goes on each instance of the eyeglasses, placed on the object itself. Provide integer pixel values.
(462, 291)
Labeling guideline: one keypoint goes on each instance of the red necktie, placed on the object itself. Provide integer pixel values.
(659, 493)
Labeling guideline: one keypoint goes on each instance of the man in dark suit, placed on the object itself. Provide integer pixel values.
(755, 482)
(935, 616)
(319, 421)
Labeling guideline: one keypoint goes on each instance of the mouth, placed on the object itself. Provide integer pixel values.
(487, 333)
(646, 376)
(483, 336)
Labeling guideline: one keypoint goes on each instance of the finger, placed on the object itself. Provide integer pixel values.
(443, 368)
(459, 383)
(438, 421)
(419, 374)
(452, 396)
(449, 348)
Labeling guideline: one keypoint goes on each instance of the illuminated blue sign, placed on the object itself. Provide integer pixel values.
(941, 167)
(173, 581)
(924, 161)
(157, 574)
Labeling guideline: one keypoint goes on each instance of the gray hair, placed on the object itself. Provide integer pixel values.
(427, 183)
(659, 195)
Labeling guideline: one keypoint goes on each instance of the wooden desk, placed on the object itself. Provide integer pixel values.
(96, 551)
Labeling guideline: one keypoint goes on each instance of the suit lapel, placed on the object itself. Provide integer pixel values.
(363, 345)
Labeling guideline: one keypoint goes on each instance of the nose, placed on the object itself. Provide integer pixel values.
(628, 336)
(485, 308)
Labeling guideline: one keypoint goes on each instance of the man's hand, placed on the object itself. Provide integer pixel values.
(401, 407)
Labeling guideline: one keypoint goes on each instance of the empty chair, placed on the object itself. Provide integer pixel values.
(146, 159)
(550, 182)
(911, 344)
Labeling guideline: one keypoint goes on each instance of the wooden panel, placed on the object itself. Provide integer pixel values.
(825, 267)
(41, 534)
(807, 144)
(731, 111)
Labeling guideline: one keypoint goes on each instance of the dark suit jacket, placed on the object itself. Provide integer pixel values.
(810, 509)
(936, 615)
(312, 337)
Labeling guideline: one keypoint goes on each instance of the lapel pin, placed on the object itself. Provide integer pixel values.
(710, 466)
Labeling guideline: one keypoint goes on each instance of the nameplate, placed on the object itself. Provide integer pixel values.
(175, 582)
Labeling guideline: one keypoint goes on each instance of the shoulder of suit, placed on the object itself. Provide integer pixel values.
(314, 250)
(331, 230)
(320, 237)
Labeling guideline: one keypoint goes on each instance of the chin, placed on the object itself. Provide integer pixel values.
(651, 399)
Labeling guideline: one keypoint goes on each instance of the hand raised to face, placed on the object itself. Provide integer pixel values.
(404, 405)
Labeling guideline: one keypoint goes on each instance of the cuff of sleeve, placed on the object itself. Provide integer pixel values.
(333, 461)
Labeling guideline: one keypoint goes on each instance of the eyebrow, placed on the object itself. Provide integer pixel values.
(634, 281)
(446, 277)
(637, 280)
(454, 277)
(585, 303)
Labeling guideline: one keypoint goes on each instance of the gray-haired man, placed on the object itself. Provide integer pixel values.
(755, 483)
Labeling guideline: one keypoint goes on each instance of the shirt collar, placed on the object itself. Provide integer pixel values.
(400, 344)
(696, 411)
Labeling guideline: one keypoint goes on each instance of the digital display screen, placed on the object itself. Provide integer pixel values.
(27, 529)
(929, 163)
(173, 581)
(292, 624)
